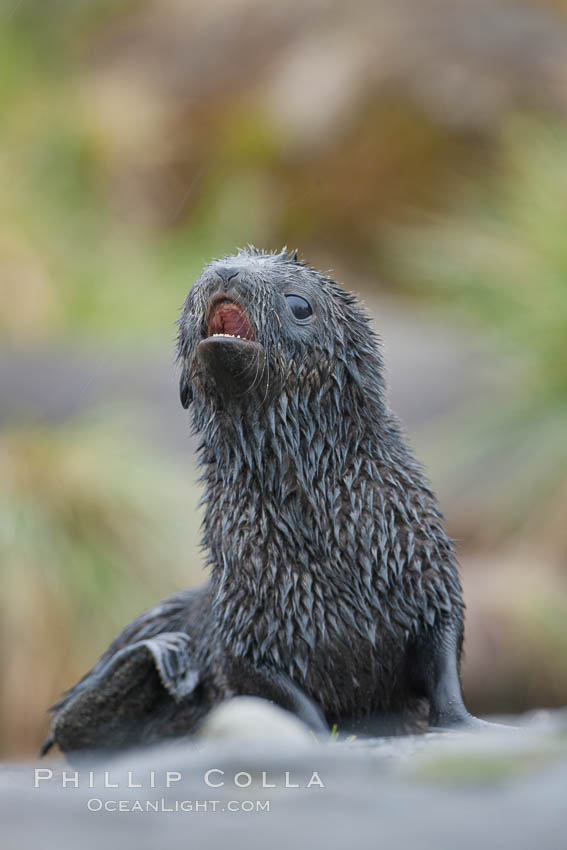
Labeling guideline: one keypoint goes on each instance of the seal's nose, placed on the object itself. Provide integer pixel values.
(226, 273)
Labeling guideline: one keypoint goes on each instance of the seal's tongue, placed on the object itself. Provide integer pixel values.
(228, 318)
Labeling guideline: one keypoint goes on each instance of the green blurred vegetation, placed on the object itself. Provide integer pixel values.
(111, 207)
(500, 254)
(497, 260)
(93, 532)
(489, 768)
(70, 262)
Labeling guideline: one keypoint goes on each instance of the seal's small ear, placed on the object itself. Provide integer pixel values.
(185, 393)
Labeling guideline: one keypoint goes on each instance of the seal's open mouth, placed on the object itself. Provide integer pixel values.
(229, 353)
(227, 319)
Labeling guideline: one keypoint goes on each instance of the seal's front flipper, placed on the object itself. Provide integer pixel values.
(436, 676)
(276, 687)
(436, 669)
(114, 705)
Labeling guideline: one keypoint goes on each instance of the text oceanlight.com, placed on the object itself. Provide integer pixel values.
(96, 804)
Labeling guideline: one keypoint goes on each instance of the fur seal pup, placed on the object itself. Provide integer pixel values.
(333, 586)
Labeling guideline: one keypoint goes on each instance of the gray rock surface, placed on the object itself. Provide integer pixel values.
(252, 719)
(499, 788)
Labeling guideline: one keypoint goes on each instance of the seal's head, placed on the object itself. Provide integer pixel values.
(257, 324)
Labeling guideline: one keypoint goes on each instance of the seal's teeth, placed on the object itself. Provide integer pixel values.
(228, 336)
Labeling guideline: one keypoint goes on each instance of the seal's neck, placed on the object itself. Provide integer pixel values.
(285, 485)
(284, 460)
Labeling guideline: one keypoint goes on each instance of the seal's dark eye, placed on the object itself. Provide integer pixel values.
(300, 308)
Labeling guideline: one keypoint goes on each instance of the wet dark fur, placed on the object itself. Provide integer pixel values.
(327, 553)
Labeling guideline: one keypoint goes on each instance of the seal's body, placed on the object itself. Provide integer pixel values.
(333, 586)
